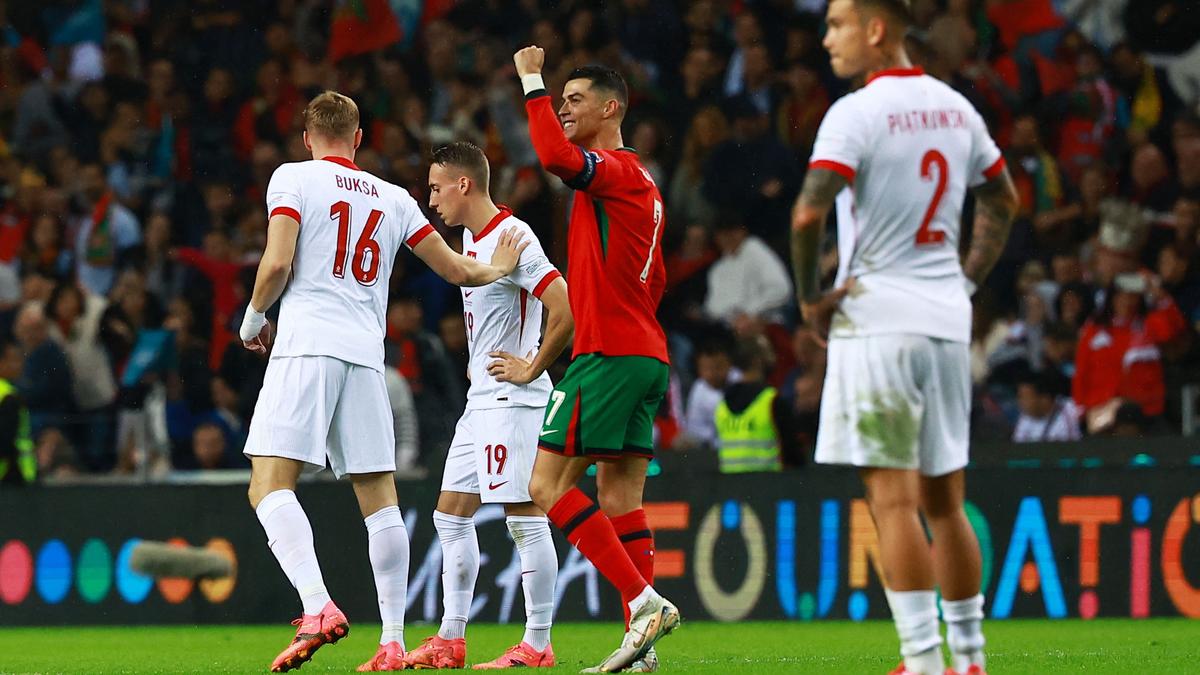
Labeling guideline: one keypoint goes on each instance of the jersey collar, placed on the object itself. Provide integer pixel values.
(342, 161)
(897, 72)
(493, 223)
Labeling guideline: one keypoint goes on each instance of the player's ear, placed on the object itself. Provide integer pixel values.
(876, 31)
(357, 138)
(307, 144)
(612, 108)
(464, 184)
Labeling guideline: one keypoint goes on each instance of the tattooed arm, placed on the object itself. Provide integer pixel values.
(995, 207)
(821, 187)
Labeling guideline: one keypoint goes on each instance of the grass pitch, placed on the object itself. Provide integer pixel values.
(1015, 646)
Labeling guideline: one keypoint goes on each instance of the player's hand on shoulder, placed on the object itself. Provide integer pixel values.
(508, 251)
(509, 368)
(819, 313)
(529, 60)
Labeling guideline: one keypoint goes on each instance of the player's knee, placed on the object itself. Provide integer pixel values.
(255, 494)
(544, 492)
(940, 507)
(886, 502)
(615, 501)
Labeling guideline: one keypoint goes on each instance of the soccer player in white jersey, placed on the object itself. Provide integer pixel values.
(897, 394)
(332, 236)
(496, 441)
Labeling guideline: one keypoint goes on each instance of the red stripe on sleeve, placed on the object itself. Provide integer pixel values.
(836, 167)
(285, 211)
(419, 236)
(995, 169)
(545, 283)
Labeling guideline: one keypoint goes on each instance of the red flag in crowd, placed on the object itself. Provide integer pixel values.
(362, 26)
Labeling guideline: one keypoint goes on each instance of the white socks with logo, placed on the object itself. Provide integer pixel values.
(387, 546)
(290, 537)
(460, 567)
(539, 571)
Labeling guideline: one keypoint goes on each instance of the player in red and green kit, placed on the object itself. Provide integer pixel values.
(603, 409)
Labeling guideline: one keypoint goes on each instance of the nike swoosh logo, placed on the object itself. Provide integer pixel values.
(493, 486)
(547, 431)
(468, 294)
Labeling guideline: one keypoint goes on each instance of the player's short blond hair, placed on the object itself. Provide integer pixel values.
(331, 115)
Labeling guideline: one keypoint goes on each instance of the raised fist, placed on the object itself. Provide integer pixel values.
(529, 60)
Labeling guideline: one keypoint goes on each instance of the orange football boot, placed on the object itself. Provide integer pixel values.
(314, 630)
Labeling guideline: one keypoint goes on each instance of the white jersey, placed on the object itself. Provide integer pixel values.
(910, 147)
(351, 226)
(505, 315)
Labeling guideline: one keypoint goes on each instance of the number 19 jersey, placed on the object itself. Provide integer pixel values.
(909, 146)
(505, 316)
(351, 226)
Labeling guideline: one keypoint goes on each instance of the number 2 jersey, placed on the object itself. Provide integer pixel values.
(351, 226)
(910, 147)
(505, 315)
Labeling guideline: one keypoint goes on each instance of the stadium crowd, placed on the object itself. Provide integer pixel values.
(137, 139)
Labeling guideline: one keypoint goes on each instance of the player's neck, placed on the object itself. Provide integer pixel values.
(897, 59)
(344, 151)
(606, 139)
(479, 214)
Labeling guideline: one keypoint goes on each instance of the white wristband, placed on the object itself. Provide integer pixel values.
(532, 82)
(252, 323)
(971, 287)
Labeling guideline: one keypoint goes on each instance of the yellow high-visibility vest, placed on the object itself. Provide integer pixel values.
(748, 441)
(26, 460)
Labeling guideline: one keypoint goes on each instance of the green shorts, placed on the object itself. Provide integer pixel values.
(604, 407)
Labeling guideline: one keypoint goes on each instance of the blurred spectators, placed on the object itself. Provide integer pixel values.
(714, 374)
(1046, 415)
(750, 415)
(18, 461)
(749, 279)
(137, 144)
(1120, 350)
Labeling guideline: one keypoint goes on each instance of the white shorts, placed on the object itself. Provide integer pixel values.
(492, 454)
(896, 401)
(314, 407)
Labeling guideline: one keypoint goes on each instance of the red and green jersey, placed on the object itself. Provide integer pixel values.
(615, 272)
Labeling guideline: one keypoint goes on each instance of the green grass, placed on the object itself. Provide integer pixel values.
(1028, 646)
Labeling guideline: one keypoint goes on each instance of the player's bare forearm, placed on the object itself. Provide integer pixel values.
(474, 273)
(821, 187)
(995, 207)
(560, 327)
(276, 263)
(460, 270)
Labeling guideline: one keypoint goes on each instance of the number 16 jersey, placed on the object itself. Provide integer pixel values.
(909, 146)
(351, 226)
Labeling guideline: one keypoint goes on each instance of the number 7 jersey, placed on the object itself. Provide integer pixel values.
(351, 226)
(910, 147)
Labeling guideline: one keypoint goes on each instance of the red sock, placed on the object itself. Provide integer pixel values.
(589, 531)
(634, 532)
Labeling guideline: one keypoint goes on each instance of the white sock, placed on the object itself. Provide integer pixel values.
(290, 537)
(460, 567)
(539, 571)
(964, 631)
(387, 546)
(916, 617)
(648, 593)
